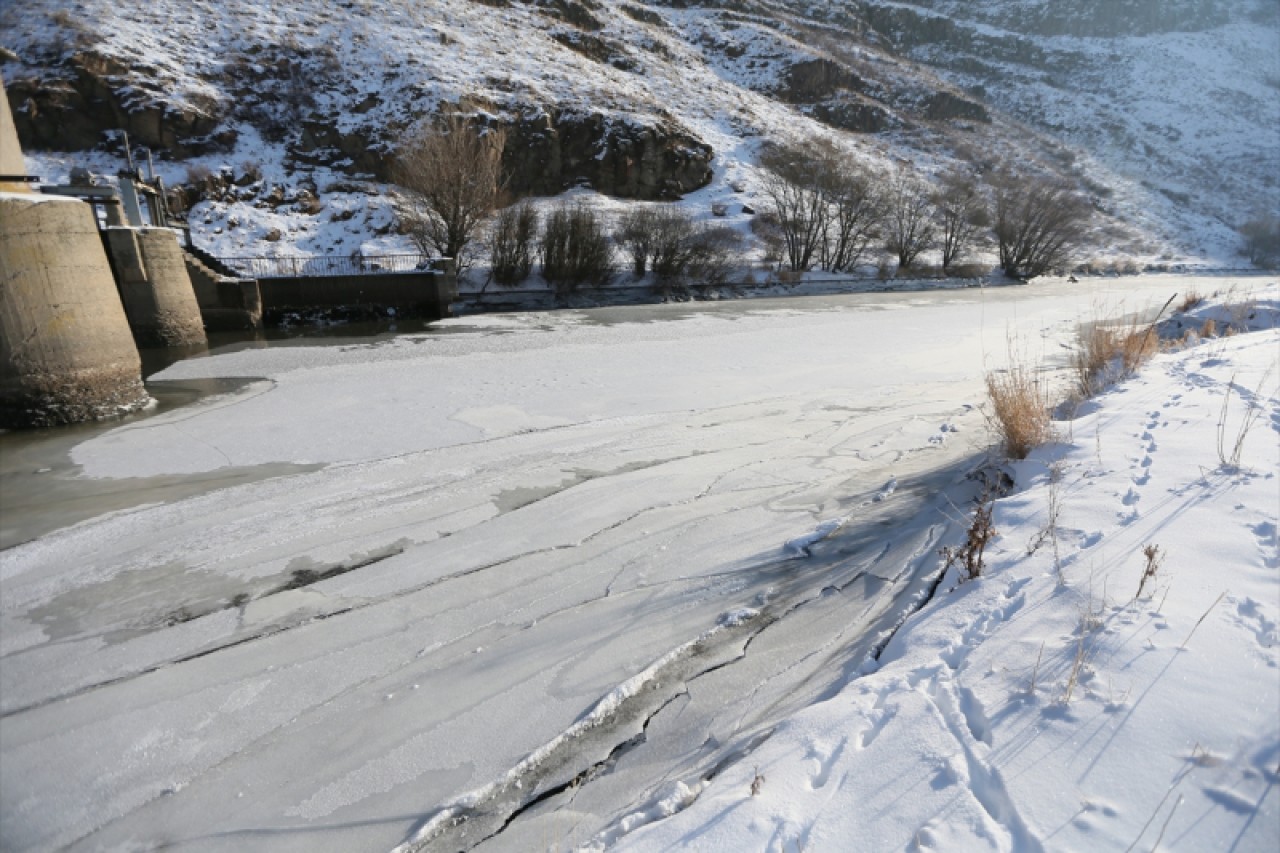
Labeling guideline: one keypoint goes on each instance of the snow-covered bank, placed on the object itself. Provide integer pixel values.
(1060, 702)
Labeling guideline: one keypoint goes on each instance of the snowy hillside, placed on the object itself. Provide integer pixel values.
(281, 115)
(1180, 101)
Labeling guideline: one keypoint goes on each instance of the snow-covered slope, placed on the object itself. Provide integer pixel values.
(1180, 101)
(289, 101)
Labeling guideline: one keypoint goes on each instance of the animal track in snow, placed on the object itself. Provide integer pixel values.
(822, 774)
(954, 655)
(879, 720)
(1249, 614)
(1265, 532)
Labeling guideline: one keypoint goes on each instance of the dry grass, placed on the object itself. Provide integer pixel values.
(1107, 354)
(1191, 300)
(1019, 410)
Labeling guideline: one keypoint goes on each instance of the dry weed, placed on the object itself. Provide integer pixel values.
(1020, 410)
(1191, 300)
(981, 531)
(1154, 558)
(1105, 355)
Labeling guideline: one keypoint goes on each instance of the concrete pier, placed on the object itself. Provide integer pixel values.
(154, 286)
(66, 352)
(11, 163)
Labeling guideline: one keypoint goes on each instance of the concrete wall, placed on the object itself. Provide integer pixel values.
(10, 152)
(415, 293)
(66, 352)
(154, 286)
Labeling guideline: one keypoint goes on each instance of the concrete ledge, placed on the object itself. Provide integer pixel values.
(421, 294)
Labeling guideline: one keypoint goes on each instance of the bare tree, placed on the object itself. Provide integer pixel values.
(451, 174)
(794, 188)
(855, 211)
(1039, 223)
(511, 248)
(961, 212)
(908, 223)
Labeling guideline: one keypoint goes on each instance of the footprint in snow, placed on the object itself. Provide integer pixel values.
(1267, 543)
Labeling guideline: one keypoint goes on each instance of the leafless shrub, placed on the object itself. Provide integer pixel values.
(668, 242)
(575, 248)
(637, 233)
(671, 243)
(969, 270)
(1261, 241)
(451, 174)
(767, 229)
(1039, 223)
(713, 254)
(197, 173)
(512, 244)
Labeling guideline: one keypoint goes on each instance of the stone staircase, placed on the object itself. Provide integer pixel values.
(227, 301)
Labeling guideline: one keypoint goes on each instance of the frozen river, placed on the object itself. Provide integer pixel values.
(487, 587)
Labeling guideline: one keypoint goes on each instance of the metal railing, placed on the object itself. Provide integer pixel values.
(306, 266)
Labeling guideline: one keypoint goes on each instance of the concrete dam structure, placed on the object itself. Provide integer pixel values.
(154, 286)
(78, 296)
(66, 351)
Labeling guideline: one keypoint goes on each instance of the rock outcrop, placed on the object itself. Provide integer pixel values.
(548, 152)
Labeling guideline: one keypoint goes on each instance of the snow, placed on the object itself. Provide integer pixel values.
(1048, 705)
(543, 558)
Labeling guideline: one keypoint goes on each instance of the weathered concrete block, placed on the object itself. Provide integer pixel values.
(66, 352)
(155, 288)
